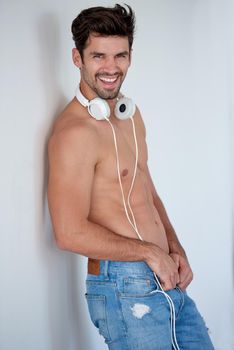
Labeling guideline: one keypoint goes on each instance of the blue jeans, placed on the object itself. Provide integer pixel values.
(130, 314)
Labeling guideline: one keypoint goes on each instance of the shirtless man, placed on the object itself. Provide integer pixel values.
(124, 297)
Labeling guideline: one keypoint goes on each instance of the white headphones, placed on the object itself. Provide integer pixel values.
(99, 109)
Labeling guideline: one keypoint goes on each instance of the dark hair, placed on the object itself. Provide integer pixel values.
(115, 20)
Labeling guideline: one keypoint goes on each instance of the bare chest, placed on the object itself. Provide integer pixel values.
(120, 151)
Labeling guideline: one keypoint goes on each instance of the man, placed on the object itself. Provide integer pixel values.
(125, 273)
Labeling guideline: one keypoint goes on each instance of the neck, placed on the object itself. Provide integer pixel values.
(90, 94)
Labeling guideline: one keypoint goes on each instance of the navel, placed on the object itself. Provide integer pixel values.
(124, 172)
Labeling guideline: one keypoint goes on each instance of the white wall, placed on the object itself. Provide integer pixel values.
(182, 78)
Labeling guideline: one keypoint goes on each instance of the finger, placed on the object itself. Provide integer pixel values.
(167, 287)
(178, 280)
(167, 284)
(184, 277)
(184, 272)
(184, 284)
(175, 279)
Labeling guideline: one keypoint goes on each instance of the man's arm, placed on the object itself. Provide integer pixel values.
(175, 248)
(73, 156)
(173, 241)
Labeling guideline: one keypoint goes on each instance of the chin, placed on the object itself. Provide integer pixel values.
(109, 95)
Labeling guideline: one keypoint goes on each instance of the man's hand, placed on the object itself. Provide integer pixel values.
(184, 269)
(164, 267)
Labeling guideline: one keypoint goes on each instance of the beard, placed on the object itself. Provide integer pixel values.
(106, 94)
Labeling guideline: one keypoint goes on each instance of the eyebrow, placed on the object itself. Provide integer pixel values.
(123, 53)
(103, 54)
(96, 53)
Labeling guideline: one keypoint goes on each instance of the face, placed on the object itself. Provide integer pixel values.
(105, 64)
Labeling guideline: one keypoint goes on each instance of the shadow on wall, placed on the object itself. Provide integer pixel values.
(62, 270)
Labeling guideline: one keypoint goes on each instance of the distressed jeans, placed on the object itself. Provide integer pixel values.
(130, 314)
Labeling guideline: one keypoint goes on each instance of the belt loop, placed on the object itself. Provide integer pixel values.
(106, 269)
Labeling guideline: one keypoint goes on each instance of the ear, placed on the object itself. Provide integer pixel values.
(76, 57)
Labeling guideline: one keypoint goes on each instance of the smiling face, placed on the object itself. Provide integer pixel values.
(105, 63)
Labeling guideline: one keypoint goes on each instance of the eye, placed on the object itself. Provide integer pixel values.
(122, 55)
(98, 55)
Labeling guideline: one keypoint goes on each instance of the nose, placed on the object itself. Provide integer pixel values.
(110, 65)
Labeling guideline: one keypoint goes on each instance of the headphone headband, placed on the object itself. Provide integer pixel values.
(80, 97)
(99, 109)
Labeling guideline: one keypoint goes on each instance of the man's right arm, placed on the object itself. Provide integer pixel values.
(73, 155)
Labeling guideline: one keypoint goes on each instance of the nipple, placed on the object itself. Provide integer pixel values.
(124, 172)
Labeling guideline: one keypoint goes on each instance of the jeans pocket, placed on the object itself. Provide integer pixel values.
(138, 286)
(97, 311)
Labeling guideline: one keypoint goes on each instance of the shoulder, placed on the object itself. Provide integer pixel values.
(74, 137)
(139, 122)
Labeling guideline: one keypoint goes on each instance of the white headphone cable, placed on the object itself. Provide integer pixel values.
(133, 179)
(119, 176)
(169, 300)
(171, 304)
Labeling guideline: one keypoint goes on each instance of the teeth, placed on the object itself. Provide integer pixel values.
(108, 80)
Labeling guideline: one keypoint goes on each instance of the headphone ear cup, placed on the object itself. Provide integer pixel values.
(125, 108)
(99, 109)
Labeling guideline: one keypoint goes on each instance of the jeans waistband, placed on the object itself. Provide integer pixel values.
(108, 267)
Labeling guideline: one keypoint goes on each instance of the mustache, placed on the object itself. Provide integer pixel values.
(105, 74)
